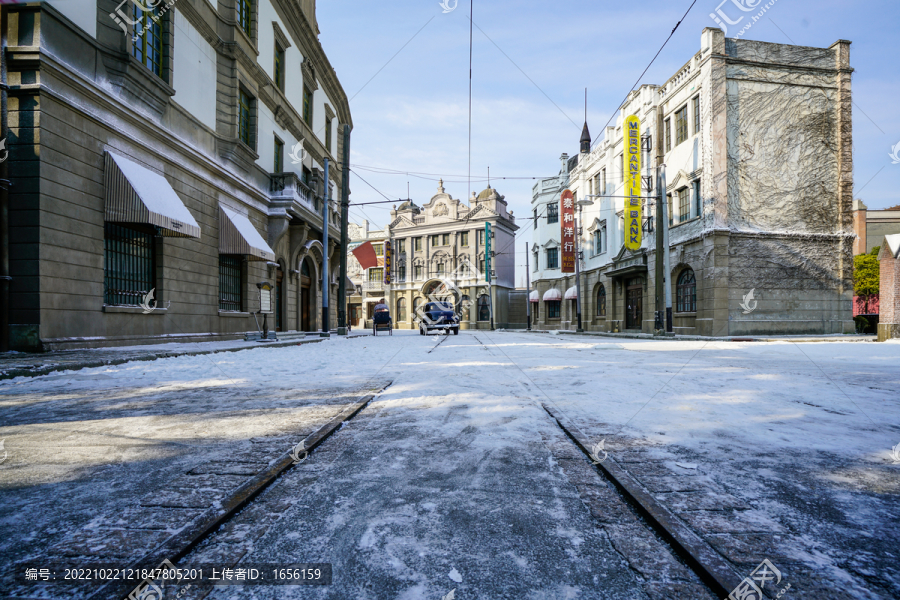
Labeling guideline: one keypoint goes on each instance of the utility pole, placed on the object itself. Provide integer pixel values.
(345, 207)
(579, 329)
(662, 249)
(528, 288)
(326, 325)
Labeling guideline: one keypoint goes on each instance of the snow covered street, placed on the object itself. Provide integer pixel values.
(455, 478)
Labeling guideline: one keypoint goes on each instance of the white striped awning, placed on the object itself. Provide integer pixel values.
(552, 294)
(135, 194)
(534, 296)
(237, 235)
(571, 294)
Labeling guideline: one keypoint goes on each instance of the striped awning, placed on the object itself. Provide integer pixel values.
(135, 194)
(237, 235)
(552, 294)
(571, 294)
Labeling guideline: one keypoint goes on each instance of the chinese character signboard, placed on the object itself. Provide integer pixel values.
(387, 262)
(567, 231)
(633, 201)
(487, 252)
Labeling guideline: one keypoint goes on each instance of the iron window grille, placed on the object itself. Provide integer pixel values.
(552, 258)
(147, 40)
(552, 213)
(129, 271)
(686, 297)
(230, 283)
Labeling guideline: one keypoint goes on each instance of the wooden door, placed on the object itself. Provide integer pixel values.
(279, 299)
(634, 296)
(305, 303)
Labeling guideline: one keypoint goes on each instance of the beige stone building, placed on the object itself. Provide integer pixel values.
(871, 226)
(756, 140)
(442, 243)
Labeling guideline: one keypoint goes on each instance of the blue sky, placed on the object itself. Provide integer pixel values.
(413, 115)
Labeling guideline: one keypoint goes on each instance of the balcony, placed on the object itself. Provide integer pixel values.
(287, 186)
(375, 286)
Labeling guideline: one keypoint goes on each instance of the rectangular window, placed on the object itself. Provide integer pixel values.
(401, 246)
(698, 202)
(147, 40)
(535, 218)
(669, 209)
(278, 71)
(446, 240)
(597, 242)
(307, 106)
(553, 213)
(668, 128)
(534, 262)
(418, 244)
(553, 309)
(306, 176)
(696, 102)
(435, 240)
(417, 269)
(328, 134)
(481, 237)
(376, 275)
(245, 15)
(440, 268)
(684, 205)
(230, 285)
(129, 265)
(603, 181)
(681, 125)
(401, 273)
(244, 116)
(279, 156)
(552, 258)
(464, 238)
(379, 249)
(481, 266)
(603, 237)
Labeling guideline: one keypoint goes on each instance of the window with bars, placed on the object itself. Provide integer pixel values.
(379, 249)
(279, 67)
(552, 258)
(681, 124)
(245, 103)
(696, 102)
(245, 16)
(307, 106)
(601, 301)
(231, 287)
(279, 156)
(668, 131)
(684, 205)
(686, 297)
(553, 213)
(129, 265)
(147, 41)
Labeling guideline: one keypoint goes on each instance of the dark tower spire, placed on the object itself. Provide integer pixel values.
(585, 133)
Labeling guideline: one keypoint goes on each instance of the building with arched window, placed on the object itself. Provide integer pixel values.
(760, 236)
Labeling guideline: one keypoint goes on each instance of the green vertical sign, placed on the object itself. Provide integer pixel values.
(487, 252)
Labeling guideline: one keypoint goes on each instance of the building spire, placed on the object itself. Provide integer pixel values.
(440, 185)
(585, 133)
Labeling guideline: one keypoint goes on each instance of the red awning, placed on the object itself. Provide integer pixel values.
(365, 254)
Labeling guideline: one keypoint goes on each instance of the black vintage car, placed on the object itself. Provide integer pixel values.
(382, 319)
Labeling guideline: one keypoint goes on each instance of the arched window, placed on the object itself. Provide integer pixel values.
(484, 312)
(417, 302)
(464, 304)
(601, 301)
(401, 310)
(686, 292)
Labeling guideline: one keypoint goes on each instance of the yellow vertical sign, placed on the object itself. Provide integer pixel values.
(633, 203)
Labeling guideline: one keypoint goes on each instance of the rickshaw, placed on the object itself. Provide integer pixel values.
(382, 319)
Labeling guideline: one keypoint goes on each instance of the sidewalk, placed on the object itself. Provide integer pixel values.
(23, 364)
(834, 337)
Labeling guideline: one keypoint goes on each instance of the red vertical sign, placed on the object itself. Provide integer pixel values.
(567, 231)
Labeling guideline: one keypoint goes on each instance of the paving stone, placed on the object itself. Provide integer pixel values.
(109, 543)
(656, 590)
(741, 521)
(686, 501)
(207, 482)
(646, 553)
(611, 511)
(174, 499)
(167, 519)
(752, 548)
(228, 468)
(674, 483)
(648, 469)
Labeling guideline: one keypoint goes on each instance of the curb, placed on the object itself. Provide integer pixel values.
(700, 338)
(89, 364)
(187, 538)
(712, 568)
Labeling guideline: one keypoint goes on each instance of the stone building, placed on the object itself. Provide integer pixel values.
(178, 150)
(368, 287)
(870, 226)
(443, 243)
(889, 288)
(756, 141)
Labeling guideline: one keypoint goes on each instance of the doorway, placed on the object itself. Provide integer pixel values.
(279, 298)
(634, 296)
(305, 297)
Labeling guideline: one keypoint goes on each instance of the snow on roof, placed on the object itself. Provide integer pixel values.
(892, 245)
